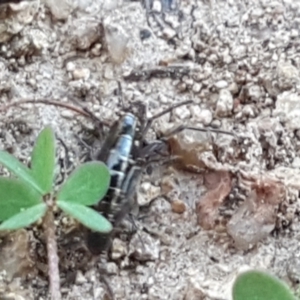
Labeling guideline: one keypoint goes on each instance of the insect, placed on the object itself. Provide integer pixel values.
(126, 153)
(116, 152)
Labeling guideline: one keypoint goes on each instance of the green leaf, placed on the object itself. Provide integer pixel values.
(43, 159)
(256, 285)
(25, 218)
(16, 195)
(87, 185)
(19, 169)
(87, 216)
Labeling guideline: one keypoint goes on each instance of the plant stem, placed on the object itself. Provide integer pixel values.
(54, 279)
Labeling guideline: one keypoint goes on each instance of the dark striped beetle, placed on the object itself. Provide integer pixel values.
(126, 153)
(116, 152)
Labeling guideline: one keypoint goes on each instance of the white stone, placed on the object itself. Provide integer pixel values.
(81, 73)
(288, 108)
(254, 92)
(196, 87)
(182, 112)
(203, 116)
(287, 70)
(169, 33)
(117, 42)
(224, 103)
(221, 84)
(70, 66)
(80, 279)
(156, 7)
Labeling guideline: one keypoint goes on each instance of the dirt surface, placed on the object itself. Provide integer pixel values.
(233, 200)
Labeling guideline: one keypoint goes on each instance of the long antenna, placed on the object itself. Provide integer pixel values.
(81, 110)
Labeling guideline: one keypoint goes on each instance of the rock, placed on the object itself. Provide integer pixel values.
(118, 249)
(288, 75)
(182, 112)
(248, 231)
(111, 268)
(256, 217)
(203, 116)
(287, 70)
(233, 88)
(169, 33)
(224, 103)
(117, 40)
(221, 84)
(196, 87)
(254, 93)
(143, 247)
(183, 50)
(85, 32)
(96, 50)
(80, 278)
(60, 9)
(145, 34)
(13, 23)
(239, 52)
(156, 6)
(70, 66)
(147, 193)
(288, 108)
(178, 206)
(81, 74)
(194, 291)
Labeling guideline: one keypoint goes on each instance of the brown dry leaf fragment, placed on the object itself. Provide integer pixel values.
(219, 184)
(188, 154)
(256, 217)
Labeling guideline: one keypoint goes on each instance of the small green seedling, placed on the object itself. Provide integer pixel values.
(30, 195)
(257, 285)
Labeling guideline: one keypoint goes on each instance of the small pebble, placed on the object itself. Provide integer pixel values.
(225, 103)
(81, 74)
(182, 112)
(67, 114)
(80, 279)
(254, 92)
(145, 34)
(167, 185)
(196, 87)
(119, 249)
(168, 33)
(143, 247)
(233, 88)
(221, 84)
(216, 123)
(181, 87)
(178, 206)
(111, 268)
(156, 6)
(96, 50)
(203, 116)
(70, 66)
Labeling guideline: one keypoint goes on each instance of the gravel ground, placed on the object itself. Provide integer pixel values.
(233, 201)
